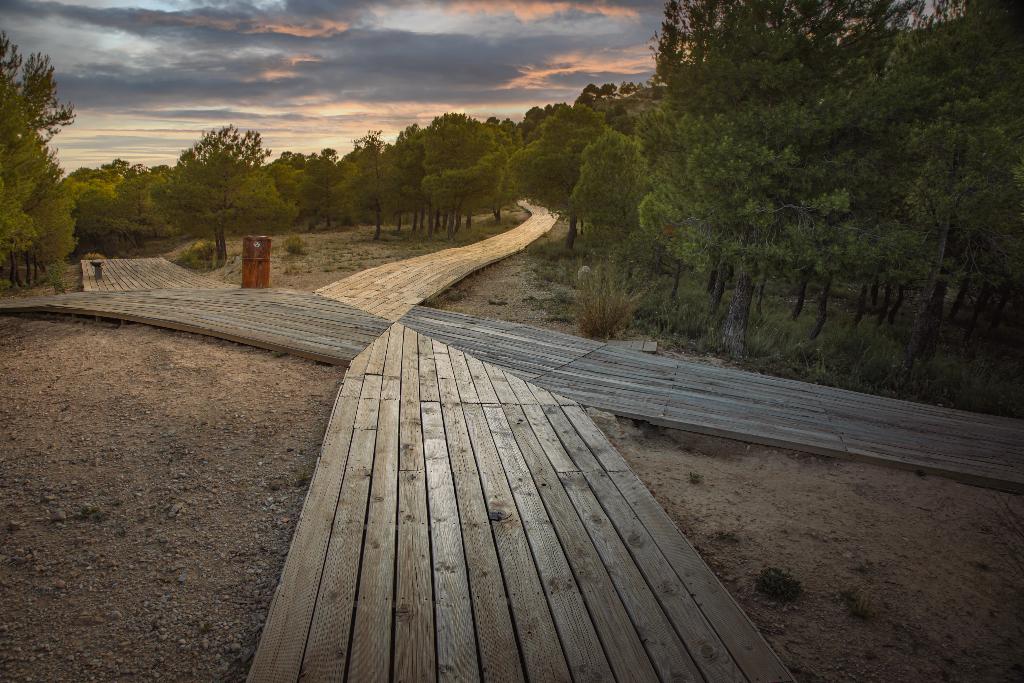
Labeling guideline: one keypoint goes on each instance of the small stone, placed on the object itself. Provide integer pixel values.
(175, 509)
(234, 647)
(60, 584)
(58, 515)
(13, 525)
(182, 577)
(582, 272)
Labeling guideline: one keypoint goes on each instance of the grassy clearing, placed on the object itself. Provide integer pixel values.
(988, 377)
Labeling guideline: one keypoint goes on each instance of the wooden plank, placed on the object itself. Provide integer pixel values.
(538, 639)
(332, 617)
(582, 648)
(666, 650)
(626, 654)
(456, 640)
(490, 604)
(371, 636)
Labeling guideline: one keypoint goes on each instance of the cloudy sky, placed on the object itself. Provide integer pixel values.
(146, 76)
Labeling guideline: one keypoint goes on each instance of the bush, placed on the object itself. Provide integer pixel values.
(93, 256)
(5, 284)
(55, 277)
(605, 303)
(778, 584)
(199, 255)
(295, 246)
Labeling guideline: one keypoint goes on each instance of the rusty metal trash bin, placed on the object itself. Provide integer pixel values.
(255, 262)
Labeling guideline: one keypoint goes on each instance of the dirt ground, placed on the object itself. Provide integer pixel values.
(939, 565)
(150, 482)
(510, 290)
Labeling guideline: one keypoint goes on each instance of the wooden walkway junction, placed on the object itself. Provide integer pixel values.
(299, 323)
(120, 275)
(978, 449)
(393, 288)
(465, 525)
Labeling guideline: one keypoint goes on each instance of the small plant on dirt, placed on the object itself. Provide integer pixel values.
(55, 278)
(91, 513)
(778, 584)
(295, 245)
(859, 604)
(605, 304)
(696, 478)
(497, 302)
(304, 474)
(199, 255)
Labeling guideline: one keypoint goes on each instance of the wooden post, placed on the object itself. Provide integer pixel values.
(255, 262)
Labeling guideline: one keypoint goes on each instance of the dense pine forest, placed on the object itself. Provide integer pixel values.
(826, 190)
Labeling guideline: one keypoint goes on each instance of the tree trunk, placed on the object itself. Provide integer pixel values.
(760, 295)
(222, 246)
(675, 280)
(415, 220)
(458, 221)
(997, 314)
(15, 278)
(979, 307)
(469, 221)
(862, 302)
(874, 292)
(885, 303)
(497, 215)
(801, 296)
(28, 269)
(734, 327)
(712, 280)
(925, 332)
(819, 322)
(924, 337)
(900, 296)
(435, 223)
(961, 294)
(376, 232)
(398, 225)
(570, 239)
(718, 289)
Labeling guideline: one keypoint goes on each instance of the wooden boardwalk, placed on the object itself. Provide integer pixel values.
(465, 525)
(121, 275)
(392, 289)
(280, 320)
(978, 449)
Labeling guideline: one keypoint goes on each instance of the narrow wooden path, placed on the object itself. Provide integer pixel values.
(302, 324)
(979, 449)
(465, 525)
(392, 289)
(121, 275)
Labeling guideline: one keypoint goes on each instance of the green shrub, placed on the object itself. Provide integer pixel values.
(55, 277)
(859, 604)
(93, 256)
(605, 303)
(199, 255)
(778, 584)
(4, 284)
(295, 246)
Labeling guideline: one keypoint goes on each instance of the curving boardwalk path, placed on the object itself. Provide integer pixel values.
(978, 449)
(299, 323)
(392, 289)
(122, 275)
(464, 525)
